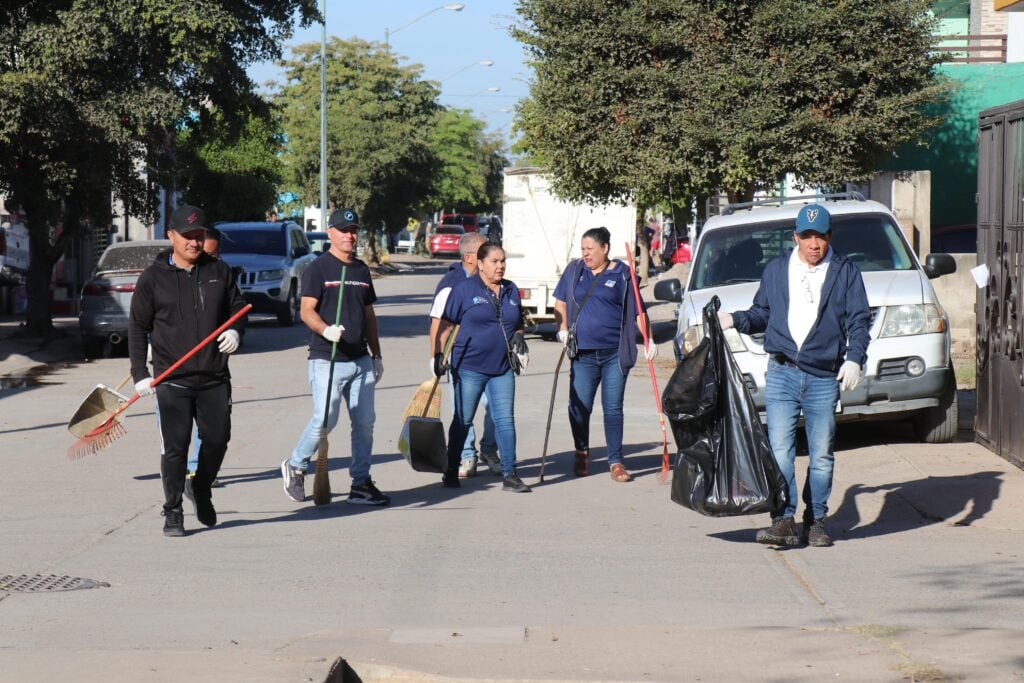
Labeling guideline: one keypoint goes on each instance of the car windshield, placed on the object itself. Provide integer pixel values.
(267, 242)
(449, 230)
(129, 257)
(733, 255)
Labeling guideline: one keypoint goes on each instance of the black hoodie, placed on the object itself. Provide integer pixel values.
(175, 309)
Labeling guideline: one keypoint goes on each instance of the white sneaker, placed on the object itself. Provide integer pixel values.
(493, 462)
(467, 468)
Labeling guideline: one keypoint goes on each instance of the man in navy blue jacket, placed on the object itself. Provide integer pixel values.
(813, 309)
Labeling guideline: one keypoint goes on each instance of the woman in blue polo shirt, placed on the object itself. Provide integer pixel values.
(594, 299)
(487, 309)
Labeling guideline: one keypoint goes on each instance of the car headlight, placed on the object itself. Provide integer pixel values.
(695, 333)
(910, 319)
(268, 275)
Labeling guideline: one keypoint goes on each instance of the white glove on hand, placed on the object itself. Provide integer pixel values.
(333, 333)
(651, 350)
(378, 370)
(228, 341)
(849, 375)
(144, 387)
(563, 336)
(725, 320)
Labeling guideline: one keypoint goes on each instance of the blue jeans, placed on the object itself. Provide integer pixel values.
(353, 381)
(487, 442)
(788, 390)
(590, 368)
(469, 387)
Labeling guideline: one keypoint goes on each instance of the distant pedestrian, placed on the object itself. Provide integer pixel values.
(358, 366)
(178, 301)
(596, 309)
(813, 311)
(489, 311)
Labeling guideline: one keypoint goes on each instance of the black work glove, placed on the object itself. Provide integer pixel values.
(518, 344)
(440, 367)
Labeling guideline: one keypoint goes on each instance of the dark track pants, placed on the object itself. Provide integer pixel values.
(210, 409)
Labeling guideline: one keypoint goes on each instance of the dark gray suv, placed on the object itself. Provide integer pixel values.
(273, 257)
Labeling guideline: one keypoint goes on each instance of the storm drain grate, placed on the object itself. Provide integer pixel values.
(46, 584)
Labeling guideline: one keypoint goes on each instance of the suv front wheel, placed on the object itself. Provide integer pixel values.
(289, 311)
(939, 424)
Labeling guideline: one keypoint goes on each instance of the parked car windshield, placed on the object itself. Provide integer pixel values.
(739, 254)
(126, 257)
(267, 242)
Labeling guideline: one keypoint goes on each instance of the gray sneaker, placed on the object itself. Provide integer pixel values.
(493, 462)
(294, 482)
(467, 468)
(781, 532)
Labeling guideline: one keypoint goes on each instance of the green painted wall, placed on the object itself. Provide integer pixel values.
(952, 151)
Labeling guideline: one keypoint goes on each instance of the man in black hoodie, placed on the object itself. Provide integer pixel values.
(179, 300)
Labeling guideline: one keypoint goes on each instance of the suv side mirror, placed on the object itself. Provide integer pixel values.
(937, 265)
(299, 252)
(668, 290)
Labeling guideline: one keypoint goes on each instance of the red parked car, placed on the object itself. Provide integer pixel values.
(445, 241)
(468, 221)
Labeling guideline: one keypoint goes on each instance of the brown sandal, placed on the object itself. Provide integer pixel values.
(620, 474)
(581, 464)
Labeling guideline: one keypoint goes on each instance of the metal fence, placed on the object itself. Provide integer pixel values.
(1000, 304)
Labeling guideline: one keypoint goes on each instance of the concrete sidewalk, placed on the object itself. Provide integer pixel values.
(583, 579)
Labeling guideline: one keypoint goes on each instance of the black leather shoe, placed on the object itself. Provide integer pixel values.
(174, 522)
(205, 512)
(450, 480)
(514, 484)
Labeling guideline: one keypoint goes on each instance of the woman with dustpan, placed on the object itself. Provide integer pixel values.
(489, 351)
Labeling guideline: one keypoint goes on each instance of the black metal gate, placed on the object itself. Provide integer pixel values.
(1000, 306)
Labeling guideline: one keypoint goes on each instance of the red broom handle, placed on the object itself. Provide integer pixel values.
(198, 347)
(650, 363)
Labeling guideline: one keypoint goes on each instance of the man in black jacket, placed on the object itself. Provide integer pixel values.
(179, 300)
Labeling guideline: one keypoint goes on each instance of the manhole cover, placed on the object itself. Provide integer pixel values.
(46, 584)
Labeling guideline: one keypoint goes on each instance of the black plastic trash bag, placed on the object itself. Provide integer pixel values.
(725, 464)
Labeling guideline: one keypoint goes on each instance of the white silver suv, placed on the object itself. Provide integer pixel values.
(908, 373)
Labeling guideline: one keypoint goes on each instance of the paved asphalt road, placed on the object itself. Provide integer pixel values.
(583, 579)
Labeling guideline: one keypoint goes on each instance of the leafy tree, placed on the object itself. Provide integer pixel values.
(458, 142)
(232, 171)
(632, 99)
(93, 90)
(380, 118)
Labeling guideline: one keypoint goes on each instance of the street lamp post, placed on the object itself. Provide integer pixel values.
(453, 6)
(323, 117)
(484, 62)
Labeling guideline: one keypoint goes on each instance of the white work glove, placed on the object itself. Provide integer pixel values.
(651, 350)
(849, 375)
(563, 336)
(378, 370)
(144, 387)
(228, 341)
(332, 333)
(725, 320)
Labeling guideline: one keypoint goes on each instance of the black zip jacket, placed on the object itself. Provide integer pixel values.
(175, 309)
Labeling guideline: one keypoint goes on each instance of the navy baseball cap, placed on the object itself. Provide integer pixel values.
(813, 218)
(342, 219)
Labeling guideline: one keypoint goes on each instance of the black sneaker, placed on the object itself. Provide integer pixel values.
(450, 480)
(189, 492)
(781, 532)
(814, 534)
(174, 522)
(366, 494)
(513, 483)
(294, 482)
(205, 512)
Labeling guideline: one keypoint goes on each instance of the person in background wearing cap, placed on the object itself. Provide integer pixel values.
(179, 300)
(813, 309)
(358, 366)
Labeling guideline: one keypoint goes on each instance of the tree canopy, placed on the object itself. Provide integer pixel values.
(92, 92)
(689, 97)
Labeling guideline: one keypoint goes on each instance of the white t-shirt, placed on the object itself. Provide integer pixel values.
(440, 299)
(805, 284)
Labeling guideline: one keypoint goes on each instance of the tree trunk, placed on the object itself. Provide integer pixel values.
(644, 245)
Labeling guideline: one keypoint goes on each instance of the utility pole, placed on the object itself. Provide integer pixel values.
(323, 116)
